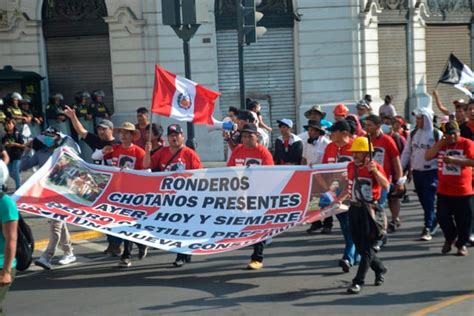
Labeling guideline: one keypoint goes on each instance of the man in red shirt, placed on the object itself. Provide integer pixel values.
(366, 181)
(125, 155)
(336, 151)
(175, 157)
(250, 152)
(455, 193)
(387, 155)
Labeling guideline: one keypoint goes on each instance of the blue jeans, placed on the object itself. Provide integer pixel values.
(426, 183)
(14, 171)
(350, 253)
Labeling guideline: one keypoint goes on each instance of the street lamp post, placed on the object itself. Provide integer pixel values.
(185, 17)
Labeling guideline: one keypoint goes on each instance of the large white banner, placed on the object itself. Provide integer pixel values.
(194, 212)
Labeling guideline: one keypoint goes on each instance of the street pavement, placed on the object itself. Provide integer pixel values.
(300, 277)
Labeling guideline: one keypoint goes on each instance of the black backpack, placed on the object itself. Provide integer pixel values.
(25, 245)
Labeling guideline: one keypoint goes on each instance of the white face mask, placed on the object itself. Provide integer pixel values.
(386, 129)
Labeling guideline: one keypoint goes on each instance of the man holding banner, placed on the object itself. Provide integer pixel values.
(250, 152)
(175, 157)
(125, 155)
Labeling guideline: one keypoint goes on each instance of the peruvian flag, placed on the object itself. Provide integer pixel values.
(182, 99)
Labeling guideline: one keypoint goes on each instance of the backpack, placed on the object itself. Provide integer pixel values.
(25, 245)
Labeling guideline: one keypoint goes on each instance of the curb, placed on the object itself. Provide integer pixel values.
(85, 235)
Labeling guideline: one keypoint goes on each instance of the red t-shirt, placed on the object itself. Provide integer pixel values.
(385, 150)
(334, 153)
(455, 180)
(187, 159)
(369, 187)
(243, 156)
(131, 158)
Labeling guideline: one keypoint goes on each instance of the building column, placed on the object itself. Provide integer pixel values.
(420, 97)
(369, 52)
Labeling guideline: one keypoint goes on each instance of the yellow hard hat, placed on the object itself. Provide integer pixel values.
(361, 144)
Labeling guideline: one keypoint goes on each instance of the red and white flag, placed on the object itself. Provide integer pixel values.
(182, 99)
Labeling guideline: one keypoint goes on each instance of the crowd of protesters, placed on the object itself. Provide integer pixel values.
(382, 154)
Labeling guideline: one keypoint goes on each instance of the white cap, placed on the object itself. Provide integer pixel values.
(287, 122)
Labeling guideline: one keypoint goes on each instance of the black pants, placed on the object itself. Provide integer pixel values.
(257, 254)
(364, 235)
(327, 222)
(127, 248)
(454, 216)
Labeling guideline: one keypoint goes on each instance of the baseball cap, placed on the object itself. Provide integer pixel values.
(250, 128)
(340, 126)
(286, 122)
(174, 128)
(106, 124)
(451, 127)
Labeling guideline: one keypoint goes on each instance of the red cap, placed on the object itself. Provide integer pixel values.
(341, 110)
(400, 120)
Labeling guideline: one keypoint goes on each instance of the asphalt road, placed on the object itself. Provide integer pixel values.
(300, 277)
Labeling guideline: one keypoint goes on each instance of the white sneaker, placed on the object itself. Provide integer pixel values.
(67, 259)
(43, 263)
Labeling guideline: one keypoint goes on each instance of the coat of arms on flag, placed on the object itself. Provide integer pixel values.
(182, 99)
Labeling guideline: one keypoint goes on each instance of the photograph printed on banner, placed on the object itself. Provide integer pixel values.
(325, 188)
(74, 181)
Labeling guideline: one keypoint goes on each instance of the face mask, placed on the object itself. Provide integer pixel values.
(48, 141)
(386, 129)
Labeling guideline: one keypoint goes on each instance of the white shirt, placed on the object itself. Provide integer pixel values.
(313, 153)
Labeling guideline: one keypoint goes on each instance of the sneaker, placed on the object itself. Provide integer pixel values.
(67, 259)
(446, 247)
(354, 289)
(462, 251)
(345, 265)
(379, 278)
(43, 263)
(255, 265)
(471, 240)
(326, 231)
(178, 263)
(142, 253)
(425, 234)
(125, 263)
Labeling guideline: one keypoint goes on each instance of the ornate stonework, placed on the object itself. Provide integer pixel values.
(394, 4)
(445, 7)
(72, 10)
